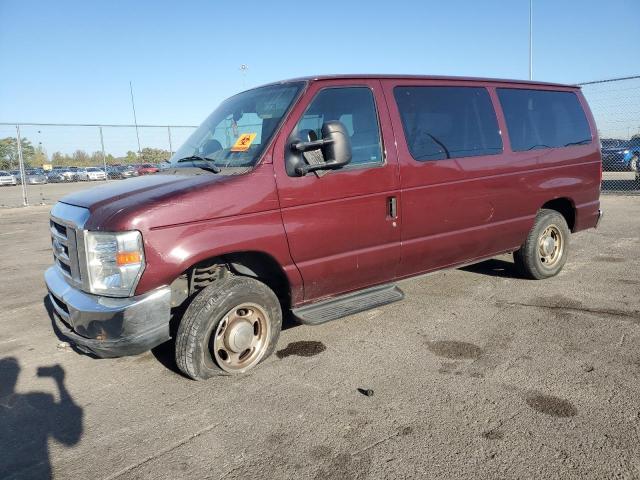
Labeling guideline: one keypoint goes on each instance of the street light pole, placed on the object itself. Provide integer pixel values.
(135, 120)
(530, 39)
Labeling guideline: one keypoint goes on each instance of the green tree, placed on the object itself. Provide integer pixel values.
(9, 152)
(96, 159)
(40, 156)
(59, 159)
(81, 158)
(132, 157)
(153, 155)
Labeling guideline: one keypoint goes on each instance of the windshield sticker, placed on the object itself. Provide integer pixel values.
(244, 142)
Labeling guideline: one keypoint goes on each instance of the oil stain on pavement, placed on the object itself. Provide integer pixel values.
(301, 349)
(550, 405)
(455, 350)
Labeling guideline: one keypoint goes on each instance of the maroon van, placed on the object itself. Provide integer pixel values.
(313, 196)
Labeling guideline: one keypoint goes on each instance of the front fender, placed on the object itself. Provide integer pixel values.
(172, 250)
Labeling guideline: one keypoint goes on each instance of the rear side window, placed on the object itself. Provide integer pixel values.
(543, 119)
(448, 122)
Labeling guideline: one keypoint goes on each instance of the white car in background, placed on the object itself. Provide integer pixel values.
(7, 178)
(87, 174)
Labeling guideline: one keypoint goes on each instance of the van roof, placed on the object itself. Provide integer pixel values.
(423, 77)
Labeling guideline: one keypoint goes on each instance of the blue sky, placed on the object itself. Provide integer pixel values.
(71, 61)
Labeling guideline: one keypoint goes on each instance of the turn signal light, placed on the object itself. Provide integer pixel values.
(127, 258)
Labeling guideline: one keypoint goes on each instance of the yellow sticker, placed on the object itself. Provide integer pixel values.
(244, 142)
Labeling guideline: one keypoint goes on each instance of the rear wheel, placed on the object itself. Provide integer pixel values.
(544, 252)
(230, 327)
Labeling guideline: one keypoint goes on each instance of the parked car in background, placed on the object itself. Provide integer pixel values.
(35, 177)
(7, 178)
(162, 166)
(621, 155)
(90, 174)
(121, 171)
(147, 168)
(334, 189)
(62, 174)
(632, 154)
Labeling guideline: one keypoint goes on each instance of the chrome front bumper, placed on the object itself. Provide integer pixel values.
(105, 326)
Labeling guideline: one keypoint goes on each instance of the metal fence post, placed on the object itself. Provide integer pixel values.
(104, 157)
(170, 146)
(25, 199)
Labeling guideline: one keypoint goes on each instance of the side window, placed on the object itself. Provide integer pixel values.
(355, 107)
(543, 118)
(448, 122)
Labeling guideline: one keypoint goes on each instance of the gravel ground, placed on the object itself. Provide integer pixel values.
(475, 374)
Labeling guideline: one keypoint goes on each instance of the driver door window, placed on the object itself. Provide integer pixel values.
(355, 108)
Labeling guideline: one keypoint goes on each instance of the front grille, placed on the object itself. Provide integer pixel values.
(66, 226)
(65, 251)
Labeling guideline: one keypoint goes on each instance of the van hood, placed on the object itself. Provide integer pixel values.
(173, 197)
(139, 189)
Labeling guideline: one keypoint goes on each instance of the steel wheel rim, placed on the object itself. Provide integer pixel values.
(241, 338)
(550, 246)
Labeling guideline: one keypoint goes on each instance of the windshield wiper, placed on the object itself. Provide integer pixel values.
(539, 145)
(581, 142)
(197, 158)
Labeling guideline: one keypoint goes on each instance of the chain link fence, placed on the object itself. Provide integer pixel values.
(615, 104)
(42, 162)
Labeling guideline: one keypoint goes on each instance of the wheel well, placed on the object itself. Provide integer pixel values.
(258, 265)
(565, 207)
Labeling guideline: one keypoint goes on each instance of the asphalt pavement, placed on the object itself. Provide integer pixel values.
(477, 373)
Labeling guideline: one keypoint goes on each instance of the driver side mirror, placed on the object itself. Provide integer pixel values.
(335, 146)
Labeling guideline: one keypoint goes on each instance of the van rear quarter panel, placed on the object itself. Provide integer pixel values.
(459, 210)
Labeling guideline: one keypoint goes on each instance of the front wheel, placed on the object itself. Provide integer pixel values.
(545, 250)
(230, 327)
(633, 164)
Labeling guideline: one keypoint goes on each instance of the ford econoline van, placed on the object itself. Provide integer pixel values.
(311, 197)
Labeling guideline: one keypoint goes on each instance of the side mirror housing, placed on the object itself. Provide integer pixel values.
(335, 145)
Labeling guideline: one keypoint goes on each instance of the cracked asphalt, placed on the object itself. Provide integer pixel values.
(475, 374)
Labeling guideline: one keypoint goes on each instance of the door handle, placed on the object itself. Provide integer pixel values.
(392, 206)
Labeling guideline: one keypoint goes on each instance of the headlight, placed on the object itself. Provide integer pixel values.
(114, 262)
(625, 152)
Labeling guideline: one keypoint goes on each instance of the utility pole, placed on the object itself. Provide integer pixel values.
(23, 176)
(530, 39)
(135, 120)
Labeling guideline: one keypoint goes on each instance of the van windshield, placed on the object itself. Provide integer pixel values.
(237, 132)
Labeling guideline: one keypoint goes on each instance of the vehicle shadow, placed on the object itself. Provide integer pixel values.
(494, 267)
(28, 420)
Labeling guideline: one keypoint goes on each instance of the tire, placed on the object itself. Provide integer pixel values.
(633, 164)
(215, 325)
(534, 258)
